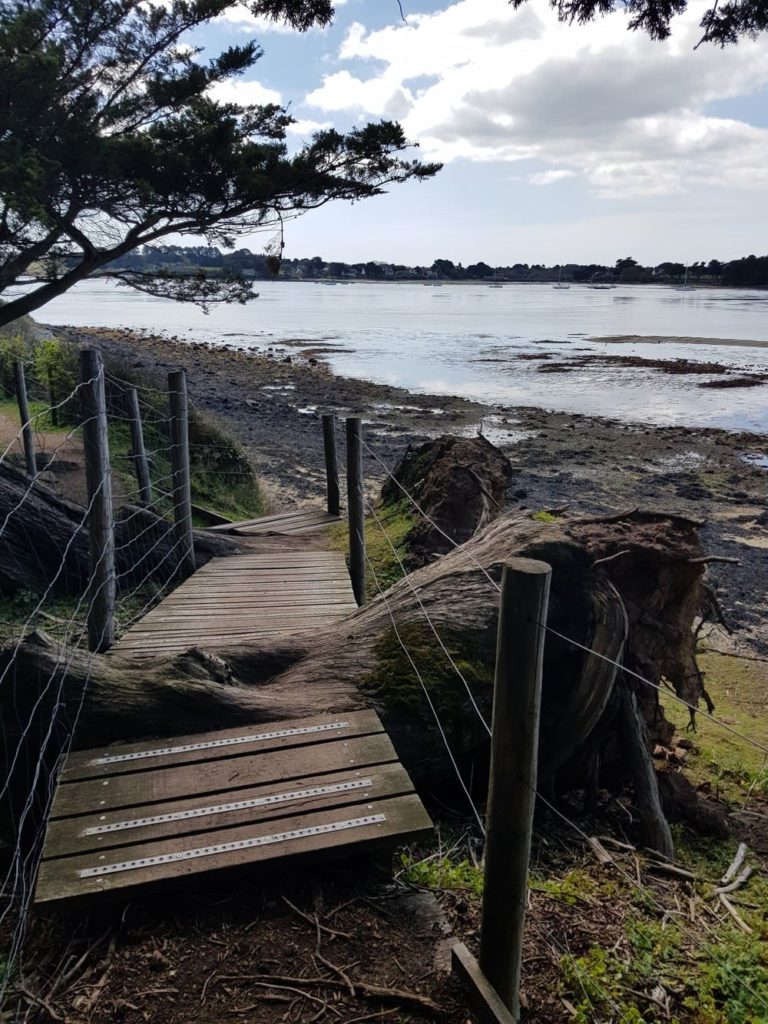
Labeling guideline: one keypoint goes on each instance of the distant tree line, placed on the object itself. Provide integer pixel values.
(749, 272)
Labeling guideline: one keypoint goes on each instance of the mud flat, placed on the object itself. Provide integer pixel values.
(271, 403)
(654, 339)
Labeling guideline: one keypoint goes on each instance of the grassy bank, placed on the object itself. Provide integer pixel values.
(223, 479)
(624, 942)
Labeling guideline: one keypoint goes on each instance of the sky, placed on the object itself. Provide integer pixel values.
(561, 143)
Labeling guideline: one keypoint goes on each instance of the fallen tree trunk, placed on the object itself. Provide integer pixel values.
(44, 541)
(639, 606)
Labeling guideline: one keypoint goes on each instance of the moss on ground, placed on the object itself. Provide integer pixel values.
(396, 525)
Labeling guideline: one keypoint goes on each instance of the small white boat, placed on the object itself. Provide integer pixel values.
(684, 287)
(560, 283)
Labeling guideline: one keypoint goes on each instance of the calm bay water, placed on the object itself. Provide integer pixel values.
(467, 340)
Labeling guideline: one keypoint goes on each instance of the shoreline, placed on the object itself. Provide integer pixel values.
(655, 339)
(271, 404)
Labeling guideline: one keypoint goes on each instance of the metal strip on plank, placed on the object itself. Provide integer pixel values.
(240, 844)
(236, 805)
(231, 741)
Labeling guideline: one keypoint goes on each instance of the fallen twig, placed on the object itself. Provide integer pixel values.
(737, 883)
(362, 988)
(735, 914)
(316, 923)
(600, 853)
(611, 558)
(39, 1001)
(735, 864)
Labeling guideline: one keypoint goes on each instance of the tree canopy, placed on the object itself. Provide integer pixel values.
(110, 139)
(722, 24)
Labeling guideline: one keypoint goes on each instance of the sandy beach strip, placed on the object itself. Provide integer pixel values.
(654, 339)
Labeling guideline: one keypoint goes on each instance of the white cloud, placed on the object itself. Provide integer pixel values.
(481, 81)
(551, 177)
(304, 126)
(237, 90)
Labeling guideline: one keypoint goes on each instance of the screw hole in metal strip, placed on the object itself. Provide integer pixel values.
(230, 741)
(235, 805)
(240, 844)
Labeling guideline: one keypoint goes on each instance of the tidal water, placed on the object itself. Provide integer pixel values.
(468, 340)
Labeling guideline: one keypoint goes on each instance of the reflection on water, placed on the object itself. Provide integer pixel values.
(470, 341)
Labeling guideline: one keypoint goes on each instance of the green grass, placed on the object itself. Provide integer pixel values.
(739, 689)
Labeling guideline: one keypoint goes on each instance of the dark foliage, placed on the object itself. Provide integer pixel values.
(722, 24)
(110, 140)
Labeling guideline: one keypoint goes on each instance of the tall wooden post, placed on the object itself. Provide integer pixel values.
(512, 792)
(355, 507)
(138, 452)
(331, 464)
(182, 492)
(98, 475)
(52, 400)
(27, 437)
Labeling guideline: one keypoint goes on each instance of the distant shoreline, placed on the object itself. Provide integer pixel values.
(653, 339)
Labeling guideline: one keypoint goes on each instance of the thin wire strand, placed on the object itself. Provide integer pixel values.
(562, 636)
(407, 578)
(427, 696)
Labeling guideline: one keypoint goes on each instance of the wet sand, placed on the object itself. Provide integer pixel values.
(271, 403)
(653, 339)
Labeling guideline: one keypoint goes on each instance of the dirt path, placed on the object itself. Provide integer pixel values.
(62, 455)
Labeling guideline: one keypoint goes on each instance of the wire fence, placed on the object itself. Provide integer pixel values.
(692, 931)
(37, 729)
(56, 572)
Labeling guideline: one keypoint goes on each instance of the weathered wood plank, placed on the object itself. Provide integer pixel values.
(485, 1000)
(86, 764)
(205, 634)
(224, 809)
(278, 516)
(59, 879)
(164, 784)
(273, 618)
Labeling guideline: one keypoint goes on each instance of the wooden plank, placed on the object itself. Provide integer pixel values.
(274, 517)
(66, 836)
(274, 618)
(288, 606)
(83, 764)
(195, 605)
(203, 633)
(202, 777)
(59, 880)
(271, 575)
(485, 1000)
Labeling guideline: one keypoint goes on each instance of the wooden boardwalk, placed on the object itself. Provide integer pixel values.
(249, 596)
(142, 815)
(162, 812)
(307, 520)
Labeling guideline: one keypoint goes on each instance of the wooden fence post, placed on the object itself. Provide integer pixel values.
(182, 492)
(52, 400)
(512, 790)
(98, 474)
(355, 507)
(27, 437)
(331, 463)
(138, 451)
